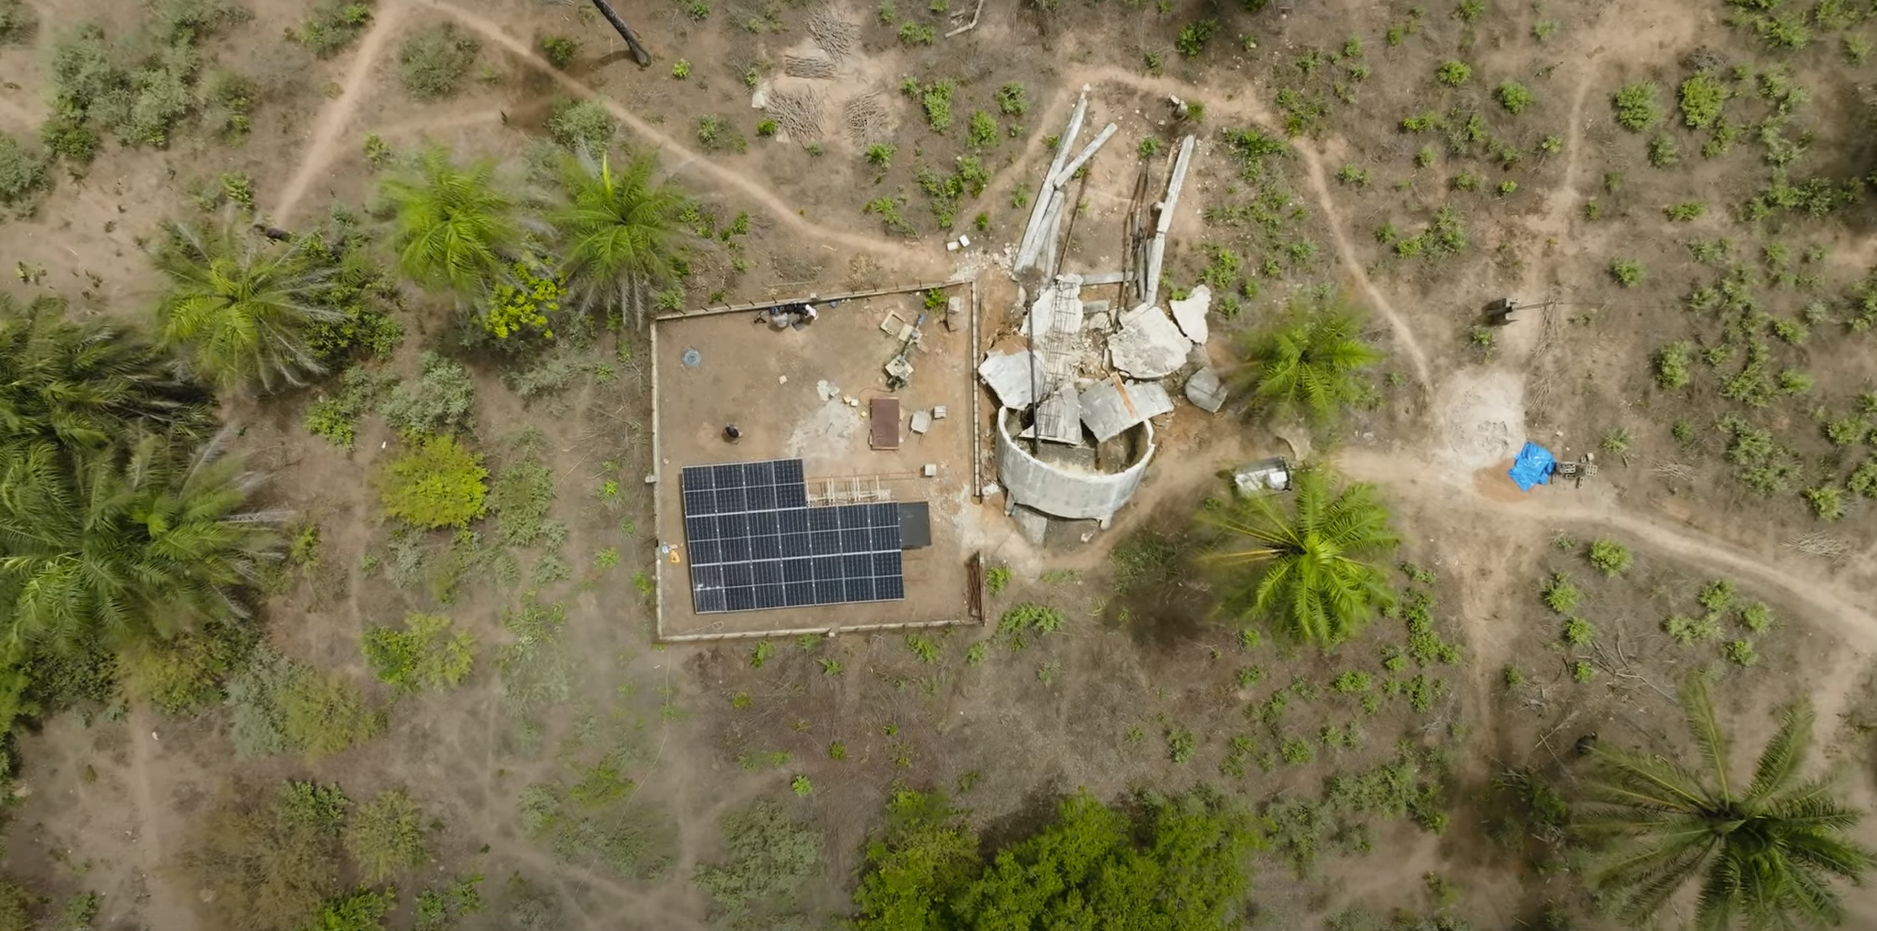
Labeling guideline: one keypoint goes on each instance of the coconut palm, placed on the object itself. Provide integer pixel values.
(116, 556)
(457, 227)
(237, 311)
(618, 231)
(1311, 575)
(1311, 364)
(1765, 852)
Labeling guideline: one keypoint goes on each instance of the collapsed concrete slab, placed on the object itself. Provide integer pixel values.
(1059, 417)
(1016, 378)
(1109, 407)
(1206, 390)
(1149, 346)
(1190, 313)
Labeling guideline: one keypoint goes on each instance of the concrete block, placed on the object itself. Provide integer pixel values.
(1190, 314)
(921, 421)
(1149, 346)
(1206, 390)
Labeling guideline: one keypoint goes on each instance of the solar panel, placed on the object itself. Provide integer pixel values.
(755, 544)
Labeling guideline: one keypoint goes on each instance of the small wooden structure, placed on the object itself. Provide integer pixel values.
(883, 431)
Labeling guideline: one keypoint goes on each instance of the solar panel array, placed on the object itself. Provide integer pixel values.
(754, 543)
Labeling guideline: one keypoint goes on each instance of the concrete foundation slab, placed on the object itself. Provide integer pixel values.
(1149, 346)
(1109, 407)
(1190, 313)
(1016, 378)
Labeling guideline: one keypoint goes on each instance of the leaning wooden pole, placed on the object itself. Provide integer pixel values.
(639, 54)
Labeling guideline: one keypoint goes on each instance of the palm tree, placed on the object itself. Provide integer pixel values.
(456, 226)
(85, 387)
(239, 313)
(617, 230)
(1315, 581)
(1765, 852)
(1311, 364)
(115, 556)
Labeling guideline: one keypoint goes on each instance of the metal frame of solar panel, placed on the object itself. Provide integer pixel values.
(755, 544)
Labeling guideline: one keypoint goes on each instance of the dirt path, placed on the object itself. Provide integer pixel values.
(163, 910)
(328, 133)
(922, 257)
(1827, 604)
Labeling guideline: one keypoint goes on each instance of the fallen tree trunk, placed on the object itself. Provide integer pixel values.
(639, 54)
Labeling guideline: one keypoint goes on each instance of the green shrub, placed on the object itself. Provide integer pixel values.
(1610, 556)
(1194, 36)
(880, 155)
(439, 483)
(1701, 98)
(577, 124)
(560, 51)
(1627, 272)
(1684, 211)
(18, 24)
(363, 910)
(257, 723)
(1687, 630)
(1863, 479)
(1827, 502)
(1515, 97)
(440, 400)
(335, 418)
(1560, 594)
(1637, 107)
(1756, 616)
(1582, 671)
(917, 34)
(333, 25)
(935, 99)
(770, 856)
(1010, 101)
(1671, 365)
(981, 131)
(425, 654)
(996, 579)
(386, 836)
(1663, 152)
(1578, 632)
(323, 713)
(434, 61)
(1453, 73)
(69, 139)
(184, 674)
(22, 172)
(1741, 652)
(716, 134)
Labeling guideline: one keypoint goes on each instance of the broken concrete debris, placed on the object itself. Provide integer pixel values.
(1206, 390)
(1148, 346)
(1016, 378)
(1112, 406)
(1190, 314)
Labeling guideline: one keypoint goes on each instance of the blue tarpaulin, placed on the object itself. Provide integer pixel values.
(1533, 466)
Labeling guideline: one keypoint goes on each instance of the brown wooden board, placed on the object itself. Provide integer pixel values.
(884, 431)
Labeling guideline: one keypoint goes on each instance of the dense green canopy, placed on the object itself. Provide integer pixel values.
(1175, 864)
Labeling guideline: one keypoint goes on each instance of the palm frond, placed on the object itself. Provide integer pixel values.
(1706, 728)
(1784, 753)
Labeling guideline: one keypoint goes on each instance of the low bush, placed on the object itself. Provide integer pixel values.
(439, 400)
(1627, 272)
(1701, 98)
(426, 654)
(323, 713)
(22, 172)
(560, 51)
(265, 861)
(1637, 106)
(1612, 557)
(335, 418)
(438, 483)
(434, 61)
(1560, 594)
(331, 26)
(386, 836)
(770, 856)
(1453, 73)
(577, 124)
(1515, 97)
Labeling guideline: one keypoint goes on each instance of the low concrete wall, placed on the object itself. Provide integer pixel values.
(1068, 493)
